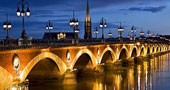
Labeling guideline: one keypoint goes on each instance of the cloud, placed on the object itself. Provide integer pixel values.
(148, 9)
(59, 4)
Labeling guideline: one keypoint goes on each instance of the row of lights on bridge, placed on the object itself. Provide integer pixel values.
(74, 24)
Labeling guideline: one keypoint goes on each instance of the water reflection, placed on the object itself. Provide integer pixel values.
(22, 86)
(152, 74)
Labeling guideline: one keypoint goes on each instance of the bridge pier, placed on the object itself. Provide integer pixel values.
(17, 85)
(70, 77)
(140, 59)
(98, 68)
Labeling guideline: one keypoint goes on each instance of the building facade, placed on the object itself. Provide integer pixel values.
(58, 35)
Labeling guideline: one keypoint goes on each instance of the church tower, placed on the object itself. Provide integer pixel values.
(88, 33)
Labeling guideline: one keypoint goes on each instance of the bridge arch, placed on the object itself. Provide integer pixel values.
(59, 62)
(123, 54)
(142, 51)
(134, 52)
(107, 50)
(6, 78)
(82, 52)
(148, 50)
(157, 49)
(153, 49)
(83, 63)
(160, 49)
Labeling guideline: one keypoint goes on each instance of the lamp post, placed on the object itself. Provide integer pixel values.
(49, 27)
(96, 31)
(157, 35)
(128, 36)
(22, 13)
(148, 33)
(7, 26)
(133, 31)
(103, 25)
(110, 34)
(120, 30)
(142, 34)
(74, 24)
(153, 35)
(76, 31)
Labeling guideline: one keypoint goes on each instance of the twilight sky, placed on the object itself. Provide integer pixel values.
(153, 15)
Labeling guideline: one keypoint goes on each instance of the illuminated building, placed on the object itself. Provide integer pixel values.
(59, 35)
(88, 34)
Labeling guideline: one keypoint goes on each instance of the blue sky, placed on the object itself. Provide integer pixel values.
(147, 14)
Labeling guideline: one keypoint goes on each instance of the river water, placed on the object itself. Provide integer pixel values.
(150, 74)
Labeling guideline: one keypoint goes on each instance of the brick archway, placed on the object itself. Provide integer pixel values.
(106, 50)
(59, 62)
(80, 53)
(5, 77)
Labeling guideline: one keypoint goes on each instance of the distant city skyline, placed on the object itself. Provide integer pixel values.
(147, 14)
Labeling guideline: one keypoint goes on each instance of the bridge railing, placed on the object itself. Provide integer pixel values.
(41, 43)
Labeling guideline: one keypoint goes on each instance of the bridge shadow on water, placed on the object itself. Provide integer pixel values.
(115, 76)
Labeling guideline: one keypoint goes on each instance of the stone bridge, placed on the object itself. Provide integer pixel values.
(18, 64)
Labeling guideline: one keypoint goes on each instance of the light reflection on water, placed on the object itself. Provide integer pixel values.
(150, 74)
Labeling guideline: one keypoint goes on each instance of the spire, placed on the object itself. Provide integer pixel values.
(87, 13)
(88, 34)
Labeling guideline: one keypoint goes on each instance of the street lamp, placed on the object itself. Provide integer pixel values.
(7, 26)
(103, 25)
(148, 33)
(128, 36)
(153, 35)
(158, 35)
(76, 31)
(110, 34)
(142, 34)
(120, 30)
(22, 13)
(96, 31)
(133, 31)
(74, 24)
(49, 27)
